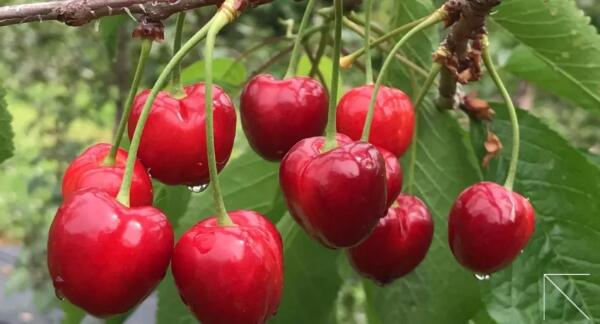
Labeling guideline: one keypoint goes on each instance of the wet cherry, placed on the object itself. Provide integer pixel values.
(230, 274)
(88, 171)
(276, 114)
(488, 227)
(173, 145)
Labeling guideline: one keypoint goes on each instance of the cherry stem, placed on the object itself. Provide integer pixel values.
(433, 73)
(295, 56)
(222, 18)
(176, 85)
(347, 60)
(123, 195)
(330, 131)
(367, 38)
(512, 112)
(137, 77)
(436, 17)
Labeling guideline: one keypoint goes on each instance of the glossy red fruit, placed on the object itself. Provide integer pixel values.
(397, 245)
(276, 114)
(489, 226)
(104, 257)
(337, 196)
(393, 175)
(393, 120)
(88, 171)
(173, 145)
(231, 274)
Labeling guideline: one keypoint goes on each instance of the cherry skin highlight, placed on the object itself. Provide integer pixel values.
(104, 257)
(230, 274)
(397, 245)
(337, 196)
(88, 171)
(393, 119)
(489, 226)
(393, 175)
(276, 114)
(173, 144)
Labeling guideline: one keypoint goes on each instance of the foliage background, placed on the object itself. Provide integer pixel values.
(65, 87)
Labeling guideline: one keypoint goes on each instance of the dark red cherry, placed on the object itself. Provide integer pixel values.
(393, 120)
(276, 114)
(397, 245)
(393, 175)
(489, 226)
(173, 145)
(88, 171)
(104, 257)
(337, 196)
(230, 274)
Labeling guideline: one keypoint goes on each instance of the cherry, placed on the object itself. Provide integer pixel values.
(393, 175)
(276, 114)
(489, 226)
(104, 257)
(173, 145)
(337, 196)
(397, 245)
(88, 171)
(393, 119)
(230, 274)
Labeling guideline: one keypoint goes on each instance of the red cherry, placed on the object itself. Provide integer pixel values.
(104, 257)
(393, 175)
(397, 245)
(337, 196)
(173, 145)
(230, 274)
(88, 171)
(393, 120)
(276, 114)
(489, 226)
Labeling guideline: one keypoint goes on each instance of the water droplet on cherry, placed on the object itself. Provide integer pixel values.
(59, 294)
(198, 189)
(482, 277)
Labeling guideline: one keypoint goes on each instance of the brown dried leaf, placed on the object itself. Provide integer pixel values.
(493, 147)
(477, 107)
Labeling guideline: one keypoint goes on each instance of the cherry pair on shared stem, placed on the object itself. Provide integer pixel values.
(173, 144)
(230, 274)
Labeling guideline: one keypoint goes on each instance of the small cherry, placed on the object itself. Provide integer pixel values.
(393, 119)
(230, 274)
(337, 196)
(397, 245)
(88, 170)
(276, 114)
(173, 145)
(105, 257)
(489, 226)
(393, 175)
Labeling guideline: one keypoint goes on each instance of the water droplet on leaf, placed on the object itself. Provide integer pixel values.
(198, 189)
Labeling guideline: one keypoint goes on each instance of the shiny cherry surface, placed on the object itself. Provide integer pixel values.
(173, 145)
(393, 175)
(489, 226)
(276, 114)
(337, 196)
(104, 257)
(397, 245)
(231, 274)
(393, 120)
(88, 171)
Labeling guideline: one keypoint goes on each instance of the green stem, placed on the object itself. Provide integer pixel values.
(347, 60)
(221, 19)
(123, 195)
(295, 56)
(433, 73)
(437, 16)
(176, 85)
(514, 158)
(137, 77)
(330, 130)
(320, 51)
(367, 38)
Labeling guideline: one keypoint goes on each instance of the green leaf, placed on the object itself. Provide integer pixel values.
(564, 189)
(173, 201)
(227, 73)
(109, 27)
(72, 313)
(7, 147)
(560, 37)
